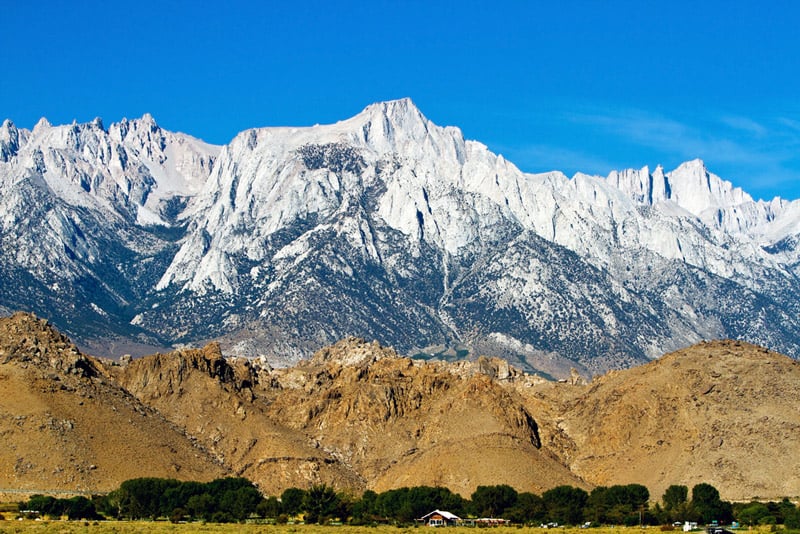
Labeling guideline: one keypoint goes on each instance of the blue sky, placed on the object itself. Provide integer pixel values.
(575, 86)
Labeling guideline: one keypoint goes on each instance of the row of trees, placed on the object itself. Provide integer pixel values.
(73, 508)
(236, 499)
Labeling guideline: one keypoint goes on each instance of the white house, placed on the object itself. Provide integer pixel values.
(440, 518)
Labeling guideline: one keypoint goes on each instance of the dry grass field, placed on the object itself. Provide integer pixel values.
(149, 527)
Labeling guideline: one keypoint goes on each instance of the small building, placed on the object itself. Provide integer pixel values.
(440, 518)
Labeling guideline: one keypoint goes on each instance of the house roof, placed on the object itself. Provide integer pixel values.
(446, 515)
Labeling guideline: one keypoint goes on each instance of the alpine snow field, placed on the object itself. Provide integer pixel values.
(385, 226)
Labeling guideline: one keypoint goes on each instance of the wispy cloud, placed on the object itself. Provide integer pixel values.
(759, 154)
(745, 124)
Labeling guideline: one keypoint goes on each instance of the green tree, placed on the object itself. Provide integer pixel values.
(240, 502)
(674, 497)
(393, 504)
(364, 509)
(752, 513)
(321, 503)
(596, 508)
(791, 518)
(565, 504)
(292, 501)
(201, 506)
(626, 504)
(708, 505)
(80, 508)
(144, 497)
(45, 505)
(529, 508)
(177, 496)
(492, 501)
(269, 507)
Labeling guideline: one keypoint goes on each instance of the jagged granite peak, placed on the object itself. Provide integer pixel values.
(703, 194)
(390, 227)
(77, 208)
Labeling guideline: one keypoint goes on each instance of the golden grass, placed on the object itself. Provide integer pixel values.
(162, 527)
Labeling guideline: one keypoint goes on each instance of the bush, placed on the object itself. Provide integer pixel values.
(222, 517)
(791, 519)
(178, 515)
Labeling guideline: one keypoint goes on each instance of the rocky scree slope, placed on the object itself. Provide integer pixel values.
(389, 227)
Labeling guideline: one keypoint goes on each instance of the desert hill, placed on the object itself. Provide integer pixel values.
(66, 426)
(214, 400)
(356, 416)
(402, 422)
(359, 416)
(722, 412)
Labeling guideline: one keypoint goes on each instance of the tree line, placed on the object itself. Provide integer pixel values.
(237, 499)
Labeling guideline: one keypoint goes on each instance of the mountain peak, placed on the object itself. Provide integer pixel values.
(399, 106)
(696, 165)
(397, 114)
(43, 123)
(696, 189)
(398, 125)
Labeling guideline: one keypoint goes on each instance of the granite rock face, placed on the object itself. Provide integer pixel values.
(386, 226)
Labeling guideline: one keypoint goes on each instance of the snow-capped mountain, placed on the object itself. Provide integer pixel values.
(385, 226)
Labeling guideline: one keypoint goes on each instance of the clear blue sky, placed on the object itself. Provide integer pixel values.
(575, 86)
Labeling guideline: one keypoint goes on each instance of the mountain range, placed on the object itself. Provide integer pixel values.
(385, 226)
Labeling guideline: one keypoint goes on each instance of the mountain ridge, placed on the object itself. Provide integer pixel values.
(388, 226)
